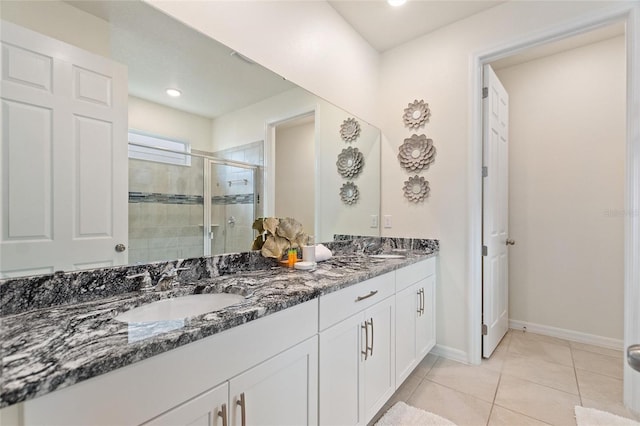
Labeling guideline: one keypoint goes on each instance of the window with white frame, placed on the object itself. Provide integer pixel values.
(156, 148)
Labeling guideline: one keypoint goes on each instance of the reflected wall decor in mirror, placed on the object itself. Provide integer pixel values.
(240, 142)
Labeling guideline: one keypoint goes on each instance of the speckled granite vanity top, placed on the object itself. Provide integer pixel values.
(60, 329)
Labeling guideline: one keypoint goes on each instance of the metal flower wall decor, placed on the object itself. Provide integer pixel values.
(350, 162)
(350, 130)
(417, 153)
(349, 193)
(416, 114)
(416, 189)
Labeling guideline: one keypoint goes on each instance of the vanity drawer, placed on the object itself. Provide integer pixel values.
(413, 273)
(342, 304)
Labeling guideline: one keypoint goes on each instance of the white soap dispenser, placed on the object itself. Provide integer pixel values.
(309, 251)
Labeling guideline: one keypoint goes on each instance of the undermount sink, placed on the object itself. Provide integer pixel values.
(387, 256)
(179, 308)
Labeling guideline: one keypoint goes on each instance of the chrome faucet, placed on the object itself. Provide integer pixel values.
(143, 278)
(169, 278)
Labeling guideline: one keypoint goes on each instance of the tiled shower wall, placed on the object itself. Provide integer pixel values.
(165, 210)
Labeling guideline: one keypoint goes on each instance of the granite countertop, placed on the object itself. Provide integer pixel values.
(54, 347)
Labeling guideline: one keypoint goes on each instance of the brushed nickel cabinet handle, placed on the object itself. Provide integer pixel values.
(365, 326)
(223, 413)
(419, 293)
(371, 293)
(243, 409)
(371, 348)
(422, 301)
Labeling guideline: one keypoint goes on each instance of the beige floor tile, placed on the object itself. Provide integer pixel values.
(540, 349)
(597, 363)
(537, 401)
(408, 386)
(597, 349)
(539, 337)
(617, 409)
(470, 379)
(425, 365)
(503, 417)
(545, 373)
(598, 387)
(460, 408)
(496, 361)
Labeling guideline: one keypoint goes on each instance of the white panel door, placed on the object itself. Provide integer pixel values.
(281, 391)
(426, 319)
(207, 409)
(495, 285)
(63, 161)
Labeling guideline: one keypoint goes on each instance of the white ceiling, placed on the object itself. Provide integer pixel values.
(161, 52)
(385, 27)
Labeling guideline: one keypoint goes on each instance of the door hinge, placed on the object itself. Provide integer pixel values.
(484, 329)
(485, 92)
(485, 171)
(485, 251)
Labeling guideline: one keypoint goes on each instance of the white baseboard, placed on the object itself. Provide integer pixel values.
(451, 353)
(575, 336)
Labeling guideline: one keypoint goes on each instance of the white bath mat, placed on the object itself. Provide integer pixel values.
(593, 417)
(402, 414)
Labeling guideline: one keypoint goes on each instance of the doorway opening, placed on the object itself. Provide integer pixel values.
(290, 169)
(630, 15)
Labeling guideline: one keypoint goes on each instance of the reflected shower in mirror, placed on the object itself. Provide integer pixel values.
(236, 148)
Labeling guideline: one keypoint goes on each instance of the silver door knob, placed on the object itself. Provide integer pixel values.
(633, 356)
(510, 242)
(120, 248)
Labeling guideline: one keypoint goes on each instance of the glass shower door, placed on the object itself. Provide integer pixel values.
(231, 200)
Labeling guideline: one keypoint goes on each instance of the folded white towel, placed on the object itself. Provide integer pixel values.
(322, 253)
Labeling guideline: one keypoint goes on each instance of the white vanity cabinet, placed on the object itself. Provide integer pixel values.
(208, 409)
(356, 360)
(272, 360)
(415, 316)
(279, 391)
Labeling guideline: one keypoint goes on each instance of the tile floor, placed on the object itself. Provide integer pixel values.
(530, 380)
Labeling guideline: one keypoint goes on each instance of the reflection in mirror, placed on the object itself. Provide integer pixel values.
(209, 169)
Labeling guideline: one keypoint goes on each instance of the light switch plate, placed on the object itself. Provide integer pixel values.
(374, 221)
(387, 221)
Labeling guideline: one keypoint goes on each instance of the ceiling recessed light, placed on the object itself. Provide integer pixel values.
(396, 3)
(174, 93)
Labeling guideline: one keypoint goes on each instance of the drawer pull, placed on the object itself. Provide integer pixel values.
(371, 293)
(243, 409)
(365, 326)
(223, 414)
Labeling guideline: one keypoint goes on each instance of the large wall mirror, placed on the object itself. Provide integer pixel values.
(240, 142)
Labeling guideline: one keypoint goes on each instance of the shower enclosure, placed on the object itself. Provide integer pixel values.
(184, 205)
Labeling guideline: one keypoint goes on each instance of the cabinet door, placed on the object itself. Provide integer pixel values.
(341, 397)
(379, 368)
(407, 312)
(204, 410)
(426, 323)
(280, 391)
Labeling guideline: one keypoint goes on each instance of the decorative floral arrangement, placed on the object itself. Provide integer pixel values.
(349, 193)
(416, 189)
(416, 114)
(417, 153)
(350, 162)
(276, 236)
(350, 130)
